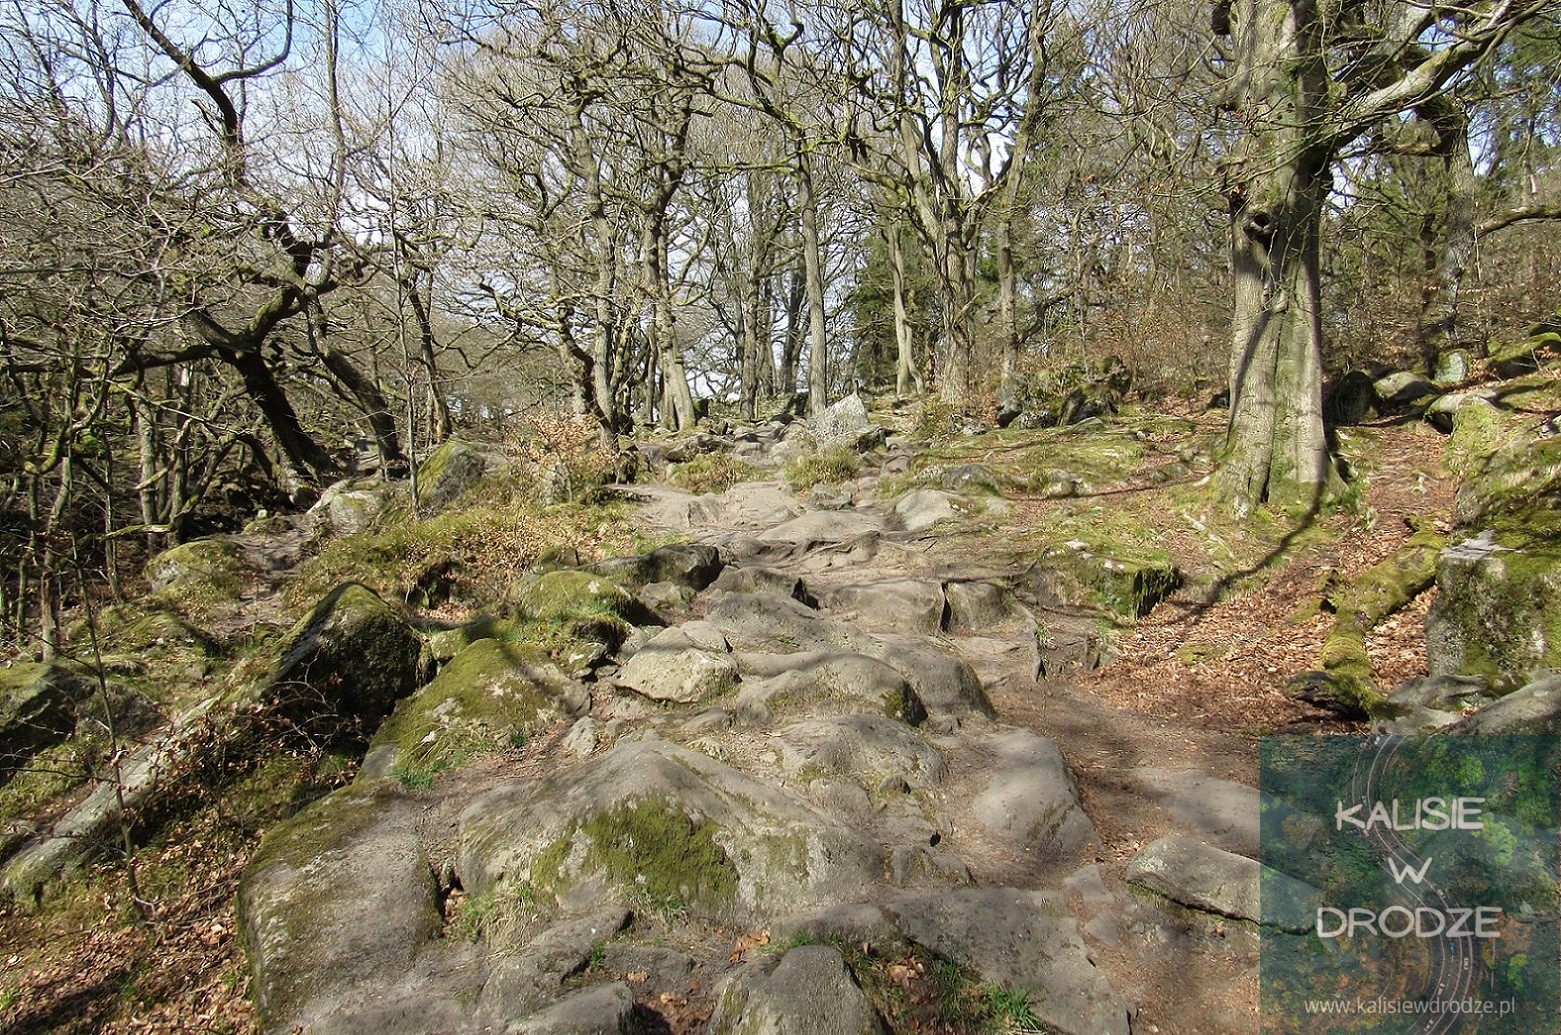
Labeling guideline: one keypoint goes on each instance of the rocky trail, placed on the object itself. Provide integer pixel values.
(855, 762)
(836, 746)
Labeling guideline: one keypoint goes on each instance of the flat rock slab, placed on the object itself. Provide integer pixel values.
(651, 818)
(598, 1010)
(867, 748)
(1221, 812)
(1025, 940)
(1212, 880)
(681, 668)
(909, 605)
(808, 991)
(1032, 799)
(780, 624)
(821, 530)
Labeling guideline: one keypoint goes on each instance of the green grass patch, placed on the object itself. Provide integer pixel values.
(831, 467)
(711, 472)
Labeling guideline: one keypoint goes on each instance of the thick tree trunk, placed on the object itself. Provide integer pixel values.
(1276, 450)
(791, 349)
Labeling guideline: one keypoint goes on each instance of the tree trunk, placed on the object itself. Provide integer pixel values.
(1276, 448)
(905, 373)
(791, 349)
(813, 264)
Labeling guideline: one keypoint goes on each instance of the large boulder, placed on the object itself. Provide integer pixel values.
(673, 667)
(492, 694)
(355, 504)
(343, 667)
(448, 472)
(560, 596)
(664, 828)
(205, 569)
(832, 681)
(1497, 612)
(808, 991)
(340, 915)
(36, 712)
(1212, 880)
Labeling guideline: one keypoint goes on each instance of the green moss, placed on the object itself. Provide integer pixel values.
(1479, 433)
(711, 472)
(559, 596)
(196, 577)
(830, 466)
(488, 696)
(1191, 654)
(654, 851)
(442, 646)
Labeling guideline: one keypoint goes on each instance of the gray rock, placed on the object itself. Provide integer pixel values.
(842, 423)
(338, 905)
(1403, 389)
(768, 621)
(210, 567)
(1030, 797)
(672, 666)
(1221, 812)
(526, 977)
(1430, 703)
(1069, 643)
(1535, 709)
(944, 682)
(838, 681)
(866, 747)
(354, 505)
(690, 565)
(808, 991)
(353, 657)
(976, 606)
(758, 579)
(581, 739)
(920, 509)
(1442, 412)
(1216, 881)
(1452, 367)
(447, 473)
(910, 605)
(599, 1010)
(657, 822)
(36, 712)
(663, 968)
(823, 530)
(1024, 940)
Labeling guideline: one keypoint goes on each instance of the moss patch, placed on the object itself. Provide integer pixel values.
(653, 850)
(488, 697)
(711, 472)
(830, 467)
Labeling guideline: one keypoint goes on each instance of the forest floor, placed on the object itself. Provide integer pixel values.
(1193, 685)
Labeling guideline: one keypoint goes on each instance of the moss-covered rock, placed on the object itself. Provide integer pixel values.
(493, 694)
(559, 596)
(337, 907)
(447, 643)
(355, 505)
(448, 472)
(203, 571)
(1124, 584)
(653, 824)
(36, 712)
(1497, 612)
(341, 669)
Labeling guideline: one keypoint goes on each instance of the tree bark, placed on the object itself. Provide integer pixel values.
(813, 265)
(1276, 449)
